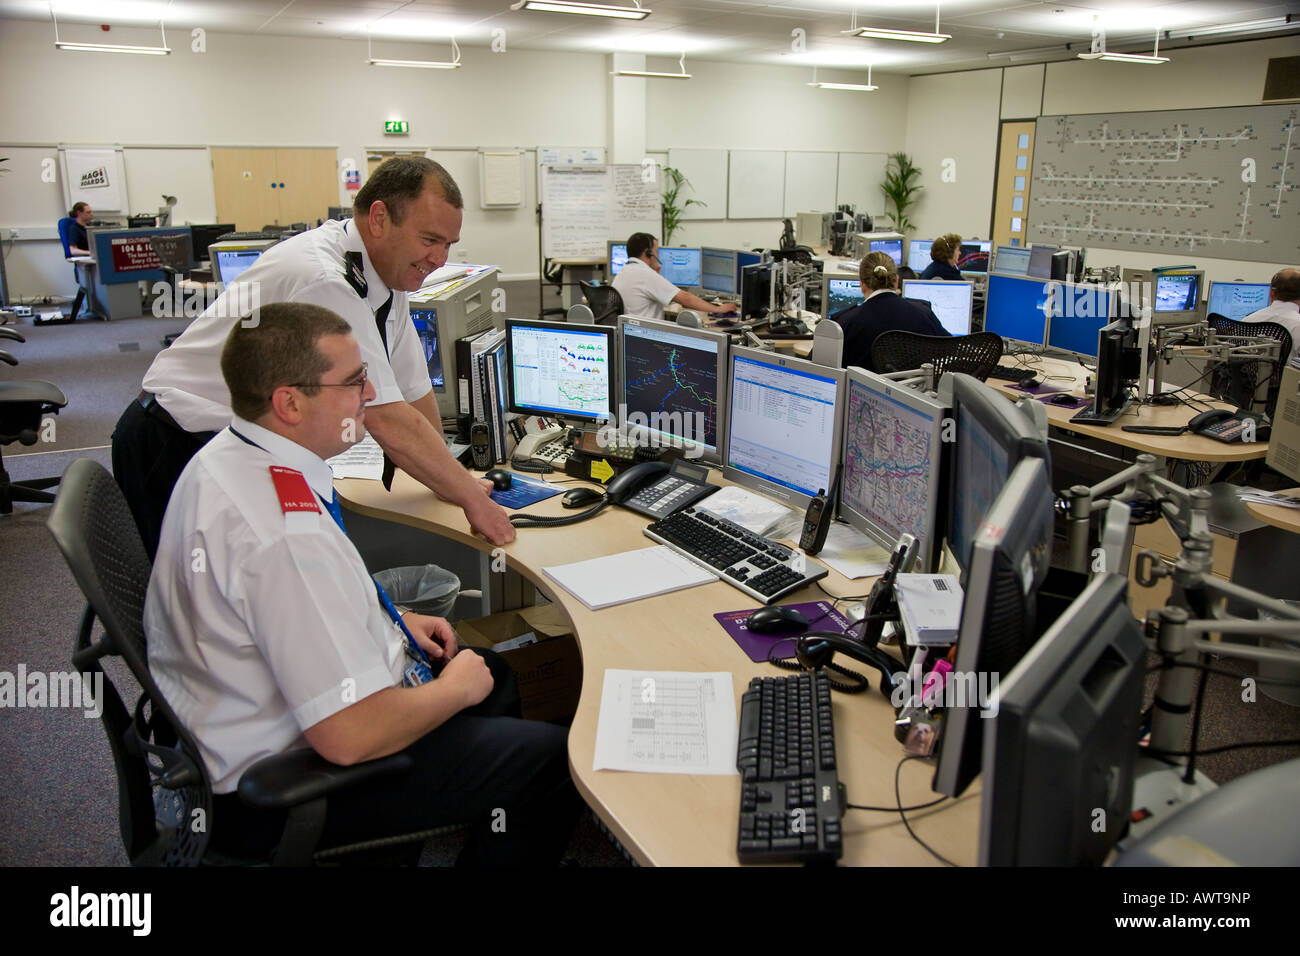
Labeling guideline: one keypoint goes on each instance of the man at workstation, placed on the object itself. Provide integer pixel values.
(78, 240)
(645, 292)
(883, 311)
(945, 252)
(405, 219)
(284, 642)
(1283, 307)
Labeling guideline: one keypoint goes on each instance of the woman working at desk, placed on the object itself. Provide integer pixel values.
(945, 252)
(883, 311)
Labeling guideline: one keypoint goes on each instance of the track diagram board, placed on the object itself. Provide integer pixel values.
(1219, 182)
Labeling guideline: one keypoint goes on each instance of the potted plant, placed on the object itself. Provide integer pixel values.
(900, 189)
(672, 214)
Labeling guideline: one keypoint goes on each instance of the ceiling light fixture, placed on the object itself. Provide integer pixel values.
(59, 44)
(658, 76)
(845, 86)
(915, 36)
(1101, 54)
(453, 64)
(635, 12)
(1289, 22)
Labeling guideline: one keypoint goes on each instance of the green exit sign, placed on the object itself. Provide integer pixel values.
(396, 128)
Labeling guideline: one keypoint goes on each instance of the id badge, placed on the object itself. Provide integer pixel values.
(416, 673)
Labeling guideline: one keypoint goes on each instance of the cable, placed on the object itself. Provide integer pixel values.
(919, 806)
(902, 812)
(1190, 775)
(1154, 751)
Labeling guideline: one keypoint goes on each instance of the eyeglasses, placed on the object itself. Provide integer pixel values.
(358, 383)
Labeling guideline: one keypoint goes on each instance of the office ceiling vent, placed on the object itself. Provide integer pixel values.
(1282, 82)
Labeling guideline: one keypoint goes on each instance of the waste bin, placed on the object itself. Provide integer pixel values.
(425, 589)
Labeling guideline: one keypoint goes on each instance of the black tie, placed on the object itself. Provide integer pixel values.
(381, 322)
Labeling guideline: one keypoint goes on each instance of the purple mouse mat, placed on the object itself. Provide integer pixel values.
(820, 614)
(1074, 401)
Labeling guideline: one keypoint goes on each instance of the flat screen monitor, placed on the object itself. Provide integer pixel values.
(426, 327)
(918, 255)
(894, 463)
(974, 255)
(230, 259)
(673, 385)
(682, 266)
(1010, 555)
(744, 259)
(1079, 312)
(784, 424)
(840, 293)
(1236, 300)
(1040, 261)
(202, 236)
(950, 301)
(891, 247)
(1064, 741)
(1017, 309)
(1177, 297)
(755, 290)
(718, 268)
(617, 258)
(560, 368)
(1012, 261)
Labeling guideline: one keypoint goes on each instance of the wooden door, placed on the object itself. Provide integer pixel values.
(245, 182)
(1011, 192)
(308, 184)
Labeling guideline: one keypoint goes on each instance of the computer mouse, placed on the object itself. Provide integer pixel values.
(726, 322)
(1063, 399)
(500, 478)
(1030, 383)
(579, 497)
(777, 620)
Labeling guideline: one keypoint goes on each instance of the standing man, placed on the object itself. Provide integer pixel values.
(405, 220)
(645, 292)
(1283, 307)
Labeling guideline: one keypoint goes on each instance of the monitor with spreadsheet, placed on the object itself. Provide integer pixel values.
(840, 293)
(1040, 261)
(1236, 300)
(560, 368)
(718, 268)
(950, 301)
(1017, 309)
(918, 255)
(672, 385)
(681, 265)
(974, 255)
(1011, 261)
(1078, 314)
(617, 257)
(783, 426)
(894, 464)
(229, 259)
(892, 247)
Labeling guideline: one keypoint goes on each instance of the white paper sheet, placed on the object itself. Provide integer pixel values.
(365, 459)
(852, 553)
(667, 722)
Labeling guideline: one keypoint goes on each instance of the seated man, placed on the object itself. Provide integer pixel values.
(79, 245)
(645, 292)
(883, 311)
(1283, 307)
(945, 252)
(266, 633)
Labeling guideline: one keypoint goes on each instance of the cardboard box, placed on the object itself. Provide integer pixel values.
(549, 672)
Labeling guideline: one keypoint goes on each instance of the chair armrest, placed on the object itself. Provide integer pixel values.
(287, 780)
(7, 333)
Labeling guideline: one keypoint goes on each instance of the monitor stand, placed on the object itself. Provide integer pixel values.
(1093, 416)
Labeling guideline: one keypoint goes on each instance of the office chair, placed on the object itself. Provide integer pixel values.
(689, 319)
(579, 313)
(1237, 382)
(976, 354)
(65, 237)
(828, 344)
(22, 406)
(174, 254)
(606, 304)
(162, 780)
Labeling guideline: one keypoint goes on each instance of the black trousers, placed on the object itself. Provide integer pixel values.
(149, 453)
(508, 778)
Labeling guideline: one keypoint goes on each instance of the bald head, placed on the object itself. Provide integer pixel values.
(1285, 286)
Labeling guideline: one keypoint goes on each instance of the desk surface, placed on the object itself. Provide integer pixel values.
(678, 819)
(1288, 519)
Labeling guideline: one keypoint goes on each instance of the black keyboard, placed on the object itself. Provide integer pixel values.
(790, 796)
(760, 567)
(1004, 373)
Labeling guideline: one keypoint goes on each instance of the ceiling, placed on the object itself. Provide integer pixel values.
(984, 32)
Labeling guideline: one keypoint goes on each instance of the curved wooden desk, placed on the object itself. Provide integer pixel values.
(677, 819)
(1288, 519)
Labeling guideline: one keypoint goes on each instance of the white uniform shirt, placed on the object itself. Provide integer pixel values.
(309, 267)
(644, 292)
(1286, 314)
(260, 624)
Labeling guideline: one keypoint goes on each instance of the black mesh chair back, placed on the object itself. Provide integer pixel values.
(23, 406)
(605, 302)
(164, 794)
(976, 354)
(1238, 382)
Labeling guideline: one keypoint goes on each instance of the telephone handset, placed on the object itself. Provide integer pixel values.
(882, 603)
(1225, 426)
(620, 488)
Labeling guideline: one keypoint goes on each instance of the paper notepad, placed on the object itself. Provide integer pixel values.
(630, 576)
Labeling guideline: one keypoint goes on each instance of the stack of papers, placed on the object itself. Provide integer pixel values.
(1275, 498)
(630, 576)
(365, 459)
(930, 605)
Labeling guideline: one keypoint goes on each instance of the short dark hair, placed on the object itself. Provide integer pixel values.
(1286, 285)
(76, 209)
(400, 179)
(638, 244)
(877, 271)
(276, 346)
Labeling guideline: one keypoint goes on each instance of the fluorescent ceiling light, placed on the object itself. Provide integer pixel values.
(913, 35)
(858, 87)
(453, 64)
(1288, 22)
(636, 12)
(658, 76)
(60, 44)
(1125, 57)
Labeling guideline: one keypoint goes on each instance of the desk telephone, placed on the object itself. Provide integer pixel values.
(650, 488)
(1225, 426)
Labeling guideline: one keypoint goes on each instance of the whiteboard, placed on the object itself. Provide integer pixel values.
(584, 207)
(707, 171)
(103, 167)
(860, 176)
(810, 182)
(30, 191)
(755, 183)
(183, 172)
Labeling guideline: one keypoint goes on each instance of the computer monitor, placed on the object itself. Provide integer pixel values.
(755, 290)
(1010, 555)
(1079, 312)
(784, 421)
(918, 254)
(560, 368)
(894, 463)
(683, 266)
(1064, 741)
(1011, 261)
(230, 259)
(202, 236)
(617, 257)
(840, 293)
(672, 385)
(950, 301)
(1017, 309)
(425, 321)
(718, 267)
(1063, 265)
(974, 255)
(1040, 261)
(1236, 300)
(744, 259)
(1177, 297)
(893, 247)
